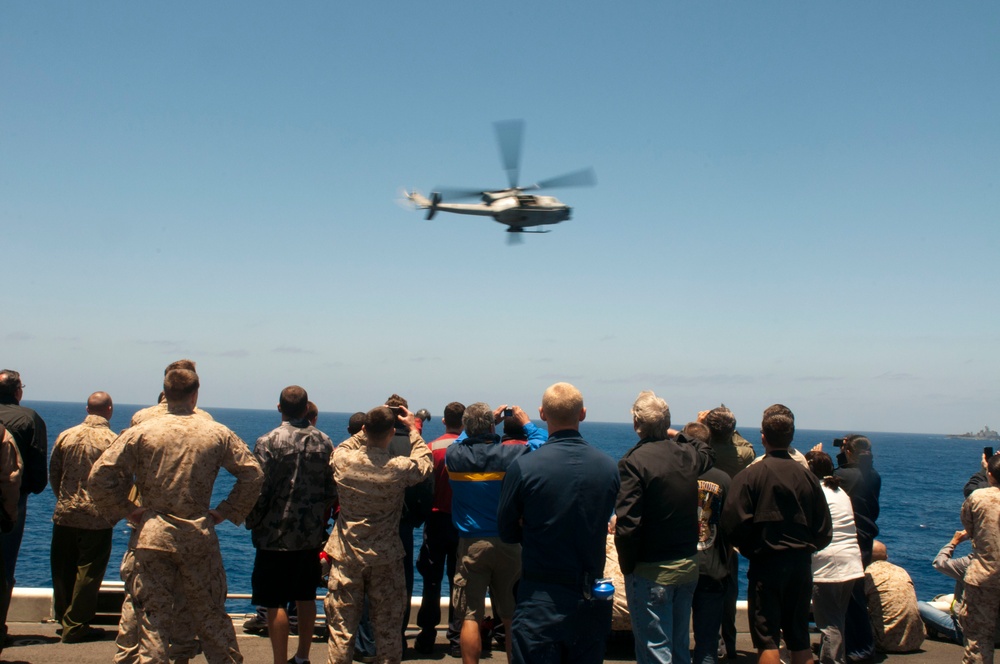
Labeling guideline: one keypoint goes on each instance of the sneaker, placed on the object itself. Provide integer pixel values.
(255, 624)
(292, 661)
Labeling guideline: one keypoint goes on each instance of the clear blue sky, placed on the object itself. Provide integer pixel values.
(797, 203)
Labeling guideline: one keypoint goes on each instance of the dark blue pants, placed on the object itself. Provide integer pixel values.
(406, 537)
(706, 614)
(859, 642)
(437, 555)
(554, 624)
(10, 545)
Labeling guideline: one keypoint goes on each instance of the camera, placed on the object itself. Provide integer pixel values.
(508, 412)
(838, 442)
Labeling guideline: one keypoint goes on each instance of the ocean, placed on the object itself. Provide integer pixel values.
(922, 480)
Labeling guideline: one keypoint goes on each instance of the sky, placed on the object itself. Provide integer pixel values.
(796, 203)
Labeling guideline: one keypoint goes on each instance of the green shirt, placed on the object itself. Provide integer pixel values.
(670, 572)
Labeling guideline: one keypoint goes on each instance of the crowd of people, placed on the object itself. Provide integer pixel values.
(510, 510)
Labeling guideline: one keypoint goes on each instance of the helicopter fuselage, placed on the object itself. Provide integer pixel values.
(513, 208)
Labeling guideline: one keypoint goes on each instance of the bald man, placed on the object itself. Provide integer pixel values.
(81, 537)
(556, 502)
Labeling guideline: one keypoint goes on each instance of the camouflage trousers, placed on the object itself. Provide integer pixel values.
(978, 619)
(183, 644)
(159, 577)
(386, 590)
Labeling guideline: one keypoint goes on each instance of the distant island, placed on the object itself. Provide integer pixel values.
(985, 433)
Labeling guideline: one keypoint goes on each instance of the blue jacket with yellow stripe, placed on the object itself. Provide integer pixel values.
(476, 468)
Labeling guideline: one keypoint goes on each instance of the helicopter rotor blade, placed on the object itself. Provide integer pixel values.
(585, 177)
(510, 138)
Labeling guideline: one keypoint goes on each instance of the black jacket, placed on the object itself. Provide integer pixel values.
(776, 507)
(657, 505)
(418, 499)
(864, 485)
(29, 432)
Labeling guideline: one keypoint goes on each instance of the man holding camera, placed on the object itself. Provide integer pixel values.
(863, 484)
(364, 546)
(477, 466)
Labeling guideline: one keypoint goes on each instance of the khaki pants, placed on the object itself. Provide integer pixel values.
(385, 586)
(979, 619)
(202, 580)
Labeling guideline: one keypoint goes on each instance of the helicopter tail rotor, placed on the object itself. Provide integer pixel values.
(433, 207)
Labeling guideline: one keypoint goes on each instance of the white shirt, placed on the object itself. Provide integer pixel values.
(841, 560)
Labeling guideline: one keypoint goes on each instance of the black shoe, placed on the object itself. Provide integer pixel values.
(423, 646)
(85, 635)
(455, 651)
(292, 661)
(363, 658)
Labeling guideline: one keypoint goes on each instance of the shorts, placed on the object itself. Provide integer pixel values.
(779, 598)
(280, 577)
(485, 562)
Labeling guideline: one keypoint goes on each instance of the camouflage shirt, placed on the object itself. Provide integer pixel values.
(892, 606)
(290, 514)
(174, 460)
(11, 467)
(159, 410)
(73, 455)
(371, 484)
(981, 518)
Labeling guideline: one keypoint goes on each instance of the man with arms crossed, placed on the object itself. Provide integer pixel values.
(288, 522)
(556, 502)
(175, 459)
(777, 516)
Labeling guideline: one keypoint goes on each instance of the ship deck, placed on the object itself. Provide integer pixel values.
(38, 643)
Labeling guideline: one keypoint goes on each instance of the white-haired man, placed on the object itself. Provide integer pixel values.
(656, 532)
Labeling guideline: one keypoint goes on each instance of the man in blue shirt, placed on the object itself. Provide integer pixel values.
(556, 502)
(476, 468)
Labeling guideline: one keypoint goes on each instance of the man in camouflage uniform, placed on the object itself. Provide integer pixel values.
(364, 546)
(183, 644)
(288, 523)
(981, 518)
(175, 459)
(81, 537)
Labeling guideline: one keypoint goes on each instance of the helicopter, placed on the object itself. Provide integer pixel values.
(512, 206)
